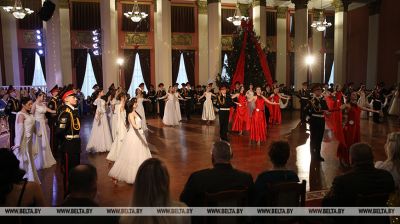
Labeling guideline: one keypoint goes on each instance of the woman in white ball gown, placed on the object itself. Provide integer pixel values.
(24, 149)
(120, 126)
(134, 149)
(177, 105)
(100, 138)
(171, 115)
(208, 108)
(140, 108)
(45, 157)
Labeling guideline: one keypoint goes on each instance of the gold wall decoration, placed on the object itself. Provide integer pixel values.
(181, 39)
(227, 42)
(202, 7)
(282, 12)
(132, 39)
(29, 37)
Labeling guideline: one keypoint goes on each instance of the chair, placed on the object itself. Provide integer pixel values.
(229, 198)
(288, 194)
(372, 200)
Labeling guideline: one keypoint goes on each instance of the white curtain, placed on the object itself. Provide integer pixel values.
(332, 78)
(38, 76)
(182, 75)
(225, 65)
(90, 80)
(137, 77)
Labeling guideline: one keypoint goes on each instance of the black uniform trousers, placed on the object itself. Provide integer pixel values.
(317, 128)
(11, 126)
(161, 105)
(53, 139)
(303, 114)
(188, 108)
(376, 105)
(223, 124)
(70, 158)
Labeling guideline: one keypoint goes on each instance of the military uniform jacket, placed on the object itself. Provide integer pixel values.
(304, 94)
(161, 93)
(54, 104)
(12, 107)
(68, 128)
(316, 107)
(224, 102)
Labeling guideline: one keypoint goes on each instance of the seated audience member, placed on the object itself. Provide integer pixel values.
(16, 191)
(362, 179)
(83, 189)
(279, 153)
(392, 163)
(221, 177)
(151, 189)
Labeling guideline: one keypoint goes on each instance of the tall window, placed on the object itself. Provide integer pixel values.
(332, 77)
(137, 77)
(224, 66)
(182, 75)
(90, 80)
(38, 76)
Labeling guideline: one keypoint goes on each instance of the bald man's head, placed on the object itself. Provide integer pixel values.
(361, 154)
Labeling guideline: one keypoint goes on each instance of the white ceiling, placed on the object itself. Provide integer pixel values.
(326, 4)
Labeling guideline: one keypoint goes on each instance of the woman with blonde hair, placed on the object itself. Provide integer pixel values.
(392, 162)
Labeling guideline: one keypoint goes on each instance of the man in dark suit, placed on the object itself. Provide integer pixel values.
(221, 177)
(161, 103)
(11, 110)
(224, 103)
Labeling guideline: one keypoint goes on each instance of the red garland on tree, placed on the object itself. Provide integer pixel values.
(257, 70)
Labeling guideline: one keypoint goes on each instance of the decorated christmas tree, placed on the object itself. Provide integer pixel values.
(247, 62)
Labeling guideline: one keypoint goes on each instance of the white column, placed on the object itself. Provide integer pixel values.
(10, 45)
(203, 42)
(373, 35)
(58, 46)
(110, 42)
(214, 38)
(300, 44)
(162, 29)
(316, 68)
(340, 42)
(281, 45)
(260, 20)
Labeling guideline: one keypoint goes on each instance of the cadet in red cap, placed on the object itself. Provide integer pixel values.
(11, 111)
(224, 103)
(53, 104)
(68, 127)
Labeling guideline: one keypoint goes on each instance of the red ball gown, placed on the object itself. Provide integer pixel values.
(334, 120)
(275, 110)
(258, 125)
(351, 132)
(241, 120)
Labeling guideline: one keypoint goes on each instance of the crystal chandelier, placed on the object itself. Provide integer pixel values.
(237, 18)
(135, 15)
(321, 23)
(17, 10)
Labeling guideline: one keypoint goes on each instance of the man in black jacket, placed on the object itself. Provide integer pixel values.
(221, 177)
(224, 103)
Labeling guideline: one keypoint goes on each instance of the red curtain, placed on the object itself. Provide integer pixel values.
(85, 16)
(142, 26)
(130, 56)
(32, 21)
(188, 57)
(79, 62)
(263, 62)
(182, 19)
(176, 54)
(144, 55)
(239, 71)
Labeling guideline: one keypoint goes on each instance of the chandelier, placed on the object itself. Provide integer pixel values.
(135, 15)
(321, 23)
(237, 18)
(17, 10)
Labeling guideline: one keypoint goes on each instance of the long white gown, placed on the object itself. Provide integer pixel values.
(45, 157)
(134, 152)
(251, 105)
(170, 112)
(362, 102)
(100, 137)
(27, 151)
(140, 111)
(178, 106)
(119, 134)
(394, 107)
(208, 109)
(113, 118)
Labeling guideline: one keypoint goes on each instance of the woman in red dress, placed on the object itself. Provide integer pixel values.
(241, 121)
(351, 129)
(275, 109)
(258, 124)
